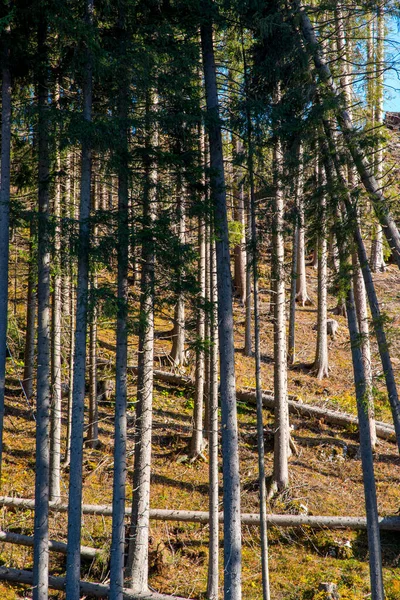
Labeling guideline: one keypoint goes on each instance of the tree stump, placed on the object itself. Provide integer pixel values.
(330, 589)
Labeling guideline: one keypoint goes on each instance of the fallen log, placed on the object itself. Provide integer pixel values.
(98, 590)
(334, 417)
(26, 540)
(193, 516)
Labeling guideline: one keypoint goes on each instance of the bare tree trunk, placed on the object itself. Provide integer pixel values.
(295, 258)
(55, 425)
(360, 301)
(281, 438)
(373, 302)
(248, 323)
(78, 403)
(301, 280)
(377, 259)
(197, 441)
(4, 222)
(120, 436)
(93, 424)
(29, 352)
(374, 545)
(321, 365)
(351, 136)
(213, 560)
(239, 278)
(41, 524)
(230, 466)
(178, 333)
(137, 566)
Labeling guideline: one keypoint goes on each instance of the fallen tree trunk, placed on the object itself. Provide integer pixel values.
(334, 417)
(86, 587)
(54, 546)
(195, 516)
(383, 430)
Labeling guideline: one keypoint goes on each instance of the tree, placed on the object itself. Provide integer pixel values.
(232, 525)
(75, 482)
(4, 216)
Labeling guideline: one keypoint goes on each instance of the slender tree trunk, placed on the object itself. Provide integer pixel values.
(360, 301)
(374, 544)
(29, 352)
(239, 251)
(248, 323)
(301, 281)
(55, 425)
(93, 424)
(377, 259)
(230, 466)
(78, 402)
(178, 333)
(321, 364)
(213, 560)
(197, 441)
(373, 302)
(295, 257)
(281, 438)
(41, 524)
(4, 223)
(351, 135)
(120, 436)
(137, 566)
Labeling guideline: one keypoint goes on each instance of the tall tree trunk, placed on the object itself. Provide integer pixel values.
(41, 520)
(301, 281)
(248, 324)
(197, 441)
(321, 365)
(4, 222)
(120, 466)
(55, 425)
(360, 301)
(377, 259)
(213, 505)
(137, 566)
(178, 332)
(29, 351)
(295, 256)
(351, 135)
(373, 302)
(93, 424)
(281, 437)
(230, 467)
(374, 545)
(78, 402)
(239, 251)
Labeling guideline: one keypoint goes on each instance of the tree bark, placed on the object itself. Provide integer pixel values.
(232, 531)
(371, 507)
(197, 440)
(321, 365)
(78, 401)
(55, 424)
(41, 525)
(281, 439)
(239, 251)
(137, 565)
(213, 559)
(178, 334)
(4, 221)
(29, 351)
(120, 420)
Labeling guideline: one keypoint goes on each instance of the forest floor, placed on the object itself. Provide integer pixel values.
(325, 476)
